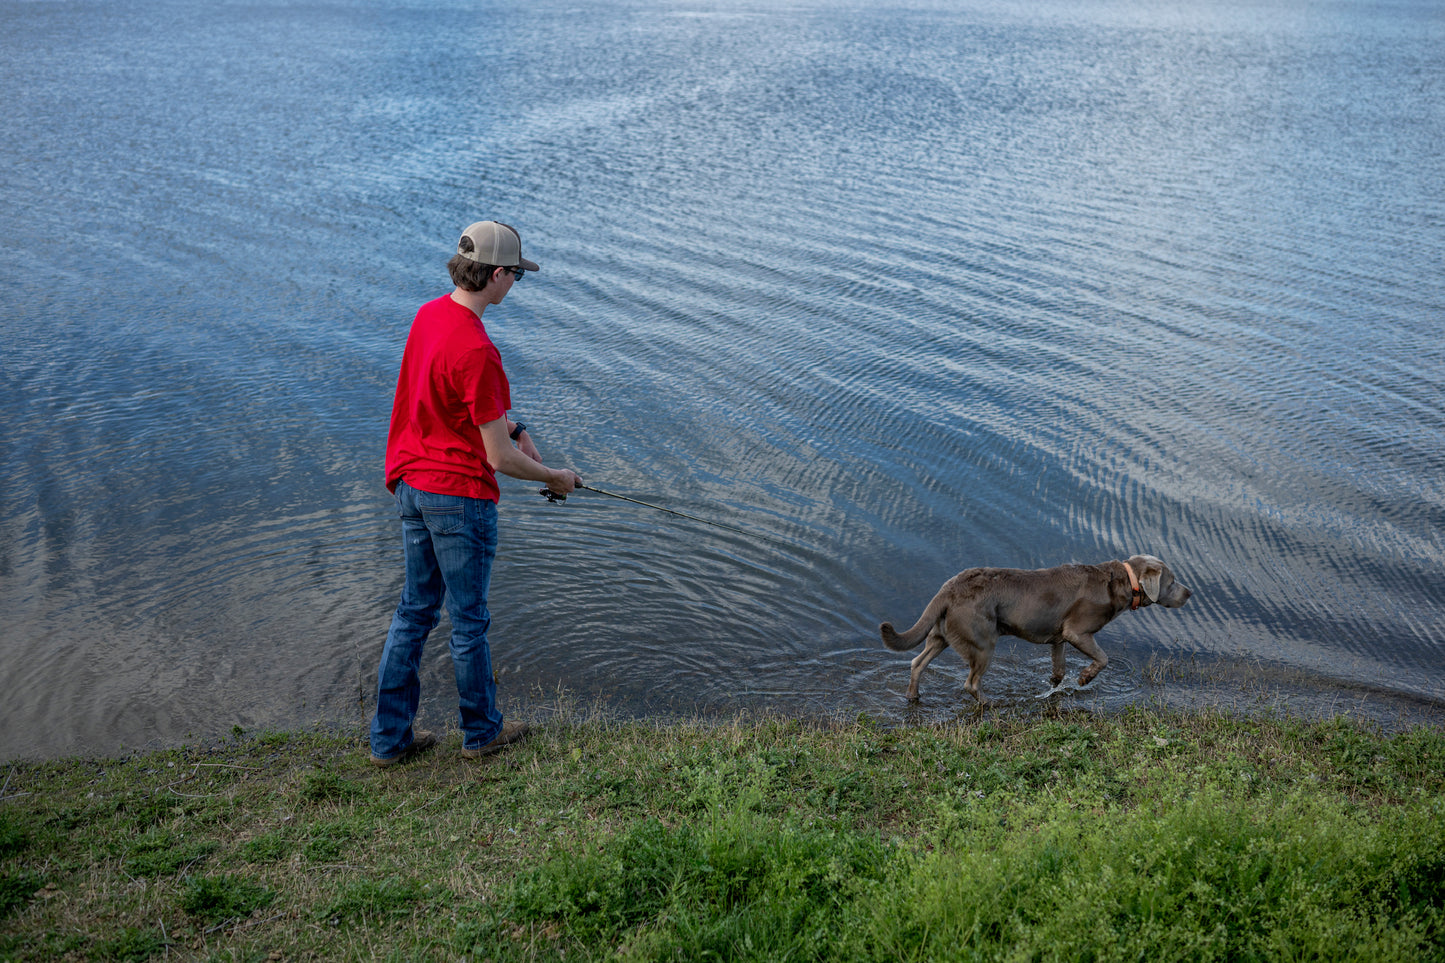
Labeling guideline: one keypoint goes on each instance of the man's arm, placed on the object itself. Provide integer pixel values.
(503, 457)
(524, 441)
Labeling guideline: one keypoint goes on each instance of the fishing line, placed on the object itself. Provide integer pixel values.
(555, 498)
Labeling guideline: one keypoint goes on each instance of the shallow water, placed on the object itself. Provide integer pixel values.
(907, 288)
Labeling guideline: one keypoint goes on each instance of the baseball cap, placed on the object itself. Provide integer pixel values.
(495, 243)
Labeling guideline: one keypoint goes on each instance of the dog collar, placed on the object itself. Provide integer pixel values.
(1138, 594)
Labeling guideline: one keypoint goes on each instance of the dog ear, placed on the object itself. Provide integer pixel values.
(1150, 574)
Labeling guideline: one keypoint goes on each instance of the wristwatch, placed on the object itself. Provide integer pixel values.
(517, 431)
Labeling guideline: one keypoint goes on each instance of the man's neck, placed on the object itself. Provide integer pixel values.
(474, 301)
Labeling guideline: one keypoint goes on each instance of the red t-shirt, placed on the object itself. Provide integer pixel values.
(451, 380)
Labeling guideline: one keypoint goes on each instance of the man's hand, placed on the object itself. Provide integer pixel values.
(566, 482)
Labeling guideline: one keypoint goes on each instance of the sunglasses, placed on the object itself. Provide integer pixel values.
(517, 273)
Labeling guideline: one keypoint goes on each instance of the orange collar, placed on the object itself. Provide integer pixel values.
(1138, 598)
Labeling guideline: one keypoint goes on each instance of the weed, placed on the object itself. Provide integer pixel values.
(130, 945)
(16, 889)
(330, 840)
(740, 878)
(161, 853)
(1205, 878)
(375, 900)
(13, 839)
(267, 848)
(218, 898)
(145, 809)
(327, 786)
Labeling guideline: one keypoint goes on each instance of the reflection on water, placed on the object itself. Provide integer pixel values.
(904, 289)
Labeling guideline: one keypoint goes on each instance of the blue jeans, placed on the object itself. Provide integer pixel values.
(450, 543)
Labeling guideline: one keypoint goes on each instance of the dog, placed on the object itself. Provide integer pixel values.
(1048, 606)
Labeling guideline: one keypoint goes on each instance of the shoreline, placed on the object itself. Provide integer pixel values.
(1244, 688)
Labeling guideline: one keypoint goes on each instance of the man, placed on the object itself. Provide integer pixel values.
(449, 436)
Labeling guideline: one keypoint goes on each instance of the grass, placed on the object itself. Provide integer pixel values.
(1148, 835)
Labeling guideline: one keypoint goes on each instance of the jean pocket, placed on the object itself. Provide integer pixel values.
(444, 521)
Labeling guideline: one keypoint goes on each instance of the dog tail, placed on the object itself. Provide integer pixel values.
(903, 641)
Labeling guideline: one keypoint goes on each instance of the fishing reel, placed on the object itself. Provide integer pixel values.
(552, 496)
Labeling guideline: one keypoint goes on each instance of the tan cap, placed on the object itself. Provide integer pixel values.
(494, 243)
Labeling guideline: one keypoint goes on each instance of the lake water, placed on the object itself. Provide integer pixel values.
(906, 287)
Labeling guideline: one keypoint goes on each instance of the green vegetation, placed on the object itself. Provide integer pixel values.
(1143, 836)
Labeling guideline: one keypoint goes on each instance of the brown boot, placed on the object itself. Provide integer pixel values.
(511, 732)
(421, 741)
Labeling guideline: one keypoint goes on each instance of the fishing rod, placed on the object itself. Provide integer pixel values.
(555, 498)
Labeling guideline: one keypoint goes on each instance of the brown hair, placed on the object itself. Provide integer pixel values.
(469, 275)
